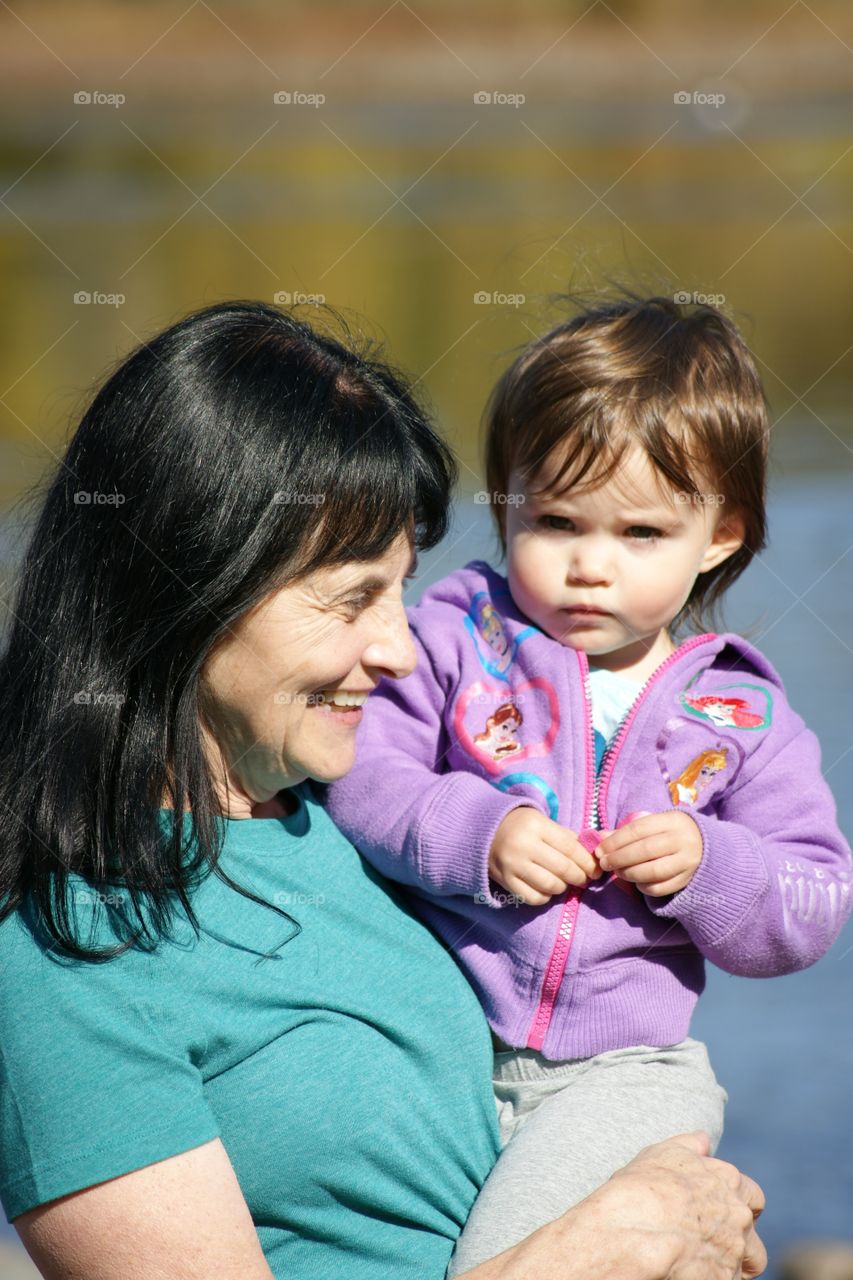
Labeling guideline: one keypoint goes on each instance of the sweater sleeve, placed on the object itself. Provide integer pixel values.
(410, 816)
(772, 890)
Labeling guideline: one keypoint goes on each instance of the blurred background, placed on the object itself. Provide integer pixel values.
(437, 174)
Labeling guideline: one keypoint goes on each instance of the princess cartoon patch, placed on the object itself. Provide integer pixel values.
(750, 708)
(701, 770)
(498, 738)
(494, 724)
(495, 649)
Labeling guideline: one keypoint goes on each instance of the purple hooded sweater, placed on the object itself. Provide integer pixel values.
(497, 715)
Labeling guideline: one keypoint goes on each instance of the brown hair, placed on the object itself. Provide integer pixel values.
(675, 378)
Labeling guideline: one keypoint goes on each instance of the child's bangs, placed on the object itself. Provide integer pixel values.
(594, 450)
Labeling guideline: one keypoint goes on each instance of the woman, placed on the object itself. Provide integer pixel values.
(227, 1047)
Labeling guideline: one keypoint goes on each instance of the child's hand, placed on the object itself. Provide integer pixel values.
(535, 858)
(658, 852)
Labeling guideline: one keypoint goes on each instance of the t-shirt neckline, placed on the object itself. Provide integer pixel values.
(297, 823)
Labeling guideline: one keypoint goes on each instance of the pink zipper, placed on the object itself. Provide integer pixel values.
(556, 965)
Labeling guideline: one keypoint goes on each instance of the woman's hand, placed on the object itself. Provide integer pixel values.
(700, 1210)
(673, 1213)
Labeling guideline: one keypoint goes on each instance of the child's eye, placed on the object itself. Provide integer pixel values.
(642, 533)
(555, 522)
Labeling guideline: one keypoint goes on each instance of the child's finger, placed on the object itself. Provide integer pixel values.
(657, 871)
(566, 844)
(541, 880)
(629, 855)
(560, 865)
(524, 893)
(638, 828)
(667, 886)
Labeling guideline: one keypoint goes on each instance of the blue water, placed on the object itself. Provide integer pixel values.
(783, 1047)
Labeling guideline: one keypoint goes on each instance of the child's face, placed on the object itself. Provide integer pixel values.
(628, 547)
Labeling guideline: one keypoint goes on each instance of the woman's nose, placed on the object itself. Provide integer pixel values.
(392, 648)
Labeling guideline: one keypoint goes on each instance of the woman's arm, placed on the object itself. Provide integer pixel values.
(671, 1214)
(179, 1219)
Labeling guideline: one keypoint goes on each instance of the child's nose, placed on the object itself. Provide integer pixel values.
(590, 563)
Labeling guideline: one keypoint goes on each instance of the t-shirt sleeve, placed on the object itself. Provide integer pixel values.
(96, 1076)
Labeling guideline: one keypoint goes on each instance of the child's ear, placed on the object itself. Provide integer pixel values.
(729, 536)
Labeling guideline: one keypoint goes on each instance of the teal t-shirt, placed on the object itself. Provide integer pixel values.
(348, 1076)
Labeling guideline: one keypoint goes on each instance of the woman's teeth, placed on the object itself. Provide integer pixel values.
(340, 698)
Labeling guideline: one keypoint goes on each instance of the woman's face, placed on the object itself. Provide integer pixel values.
(268, 688)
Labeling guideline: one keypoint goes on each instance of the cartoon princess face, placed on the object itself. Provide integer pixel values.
(702, 768)
(498, 739)
(732, 713)
(492, 630)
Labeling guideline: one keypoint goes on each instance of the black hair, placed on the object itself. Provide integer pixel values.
(178, 506)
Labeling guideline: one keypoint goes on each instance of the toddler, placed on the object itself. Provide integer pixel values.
(589, 790)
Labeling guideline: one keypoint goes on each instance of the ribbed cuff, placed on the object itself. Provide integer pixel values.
(455, 837)
(731, 875)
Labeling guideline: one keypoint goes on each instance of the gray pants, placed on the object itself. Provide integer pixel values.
(567, 1126)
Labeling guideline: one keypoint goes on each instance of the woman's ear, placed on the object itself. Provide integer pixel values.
(729, 535)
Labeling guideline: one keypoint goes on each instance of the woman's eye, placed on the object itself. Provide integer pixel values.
(357, 603)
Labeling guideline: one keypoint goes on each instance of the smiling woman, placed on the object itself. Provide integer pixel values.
(262, 468)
